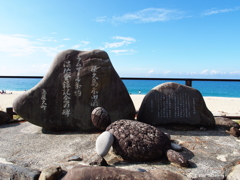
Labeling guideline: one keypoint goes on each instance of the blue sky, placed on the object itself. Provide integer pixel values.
(154, 38)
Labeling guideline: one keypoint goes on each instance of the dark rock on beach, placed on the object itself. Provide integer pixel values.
(177, 158)
(87, 172)
(51, 173)
(10, 171)
(75, 158)
(173, 103)
(97, 160)
(234, 131)
(226, 123)
(4, 117)
(76, 83)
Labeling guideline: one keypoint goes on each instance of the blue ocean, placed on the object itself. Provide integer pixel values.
(207, 88)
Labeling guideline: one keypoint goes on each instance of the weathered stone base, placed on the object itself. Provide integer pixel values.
(211, 153)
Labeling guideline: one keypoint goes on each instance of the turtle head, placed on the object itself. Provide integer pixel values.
(100, 118)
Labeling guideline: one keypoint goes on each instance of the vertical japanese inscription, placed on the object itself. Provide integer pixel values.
(94, 84)
(78, 86)
(43, 98)
(174, 105)
(194, 106)
(66, 88)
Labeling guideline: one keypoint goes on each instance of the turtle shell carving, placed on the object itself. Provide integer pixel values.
(138, 141)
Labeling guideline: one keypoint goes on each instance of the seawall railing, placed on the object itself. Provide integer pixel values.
(188, 81)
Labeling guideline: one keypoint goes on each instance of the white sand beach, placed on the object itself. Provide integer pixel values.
(219, 106)
(6, 100)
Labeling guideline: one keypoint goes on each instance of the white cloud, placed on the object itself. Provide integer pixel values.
(150, 15)
(217, 11)
(211, 72)
(20, 35)
(124, 41)
(191, 73)
(235, 72)
(114, 45)
(81, 44)
(66, 39)
(101, 19)
(76, 46)
(85, 42)
(174, 74)
(28, 69)
(49, 39)
(128, 39)
(166, 72)
(208, 72)
(119, 51)
(150, 71)
(61, 46)
(20, 45)
(123, 51)
(39, 68)
(16, 45)
(50, 51)
(204, 71)
(214, 72)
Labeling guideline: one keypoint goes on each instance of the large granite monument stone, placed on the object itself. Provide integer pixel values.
(76, 83)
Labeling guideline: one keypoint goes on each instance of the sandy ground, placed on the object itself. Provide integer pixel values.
(219, 106)
(6, 100)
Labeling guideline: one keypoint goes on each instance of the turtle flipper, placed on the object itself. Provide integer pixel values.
(177, 158)
(176, 147)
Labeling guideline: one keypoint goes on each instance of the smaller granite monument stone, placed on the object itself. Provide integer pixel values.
(173, 103)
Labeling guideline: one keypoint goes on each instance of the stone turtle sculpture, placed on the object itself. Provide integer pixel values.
(137, 141)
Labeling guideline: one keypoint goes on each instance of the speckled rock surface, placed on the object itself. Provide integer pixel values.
(138, 141)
